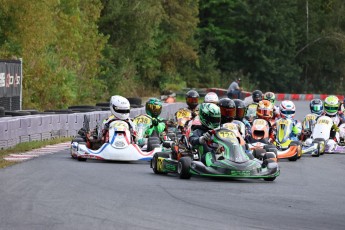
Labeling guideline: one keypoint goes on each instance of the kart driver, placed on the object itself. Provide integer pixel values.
(209, 114)
(120, 109)
(287, 110)
(153, 108)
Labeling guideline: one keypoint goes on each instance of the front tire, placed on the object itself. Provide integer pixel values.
(154, 162)
(183, 167)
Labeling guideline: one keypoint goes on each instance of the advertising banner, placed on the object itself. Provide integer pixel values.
(10, 78)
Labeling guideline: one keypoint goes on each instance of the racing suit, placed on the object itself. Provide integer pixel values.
(157, 128)
(206, 153)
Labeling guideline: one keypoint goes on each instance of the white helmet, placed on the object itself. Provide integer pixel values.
(211, 97)
(120, 107)
(287, 109)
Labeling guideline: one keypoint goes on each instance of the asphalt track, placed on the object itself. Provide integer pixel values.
(56, 192)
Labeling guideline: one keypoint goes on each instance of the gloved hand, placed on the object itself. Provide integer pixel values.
(194, 115)
(154, 122)
(335, 128)
(295, 130)
(206, 137)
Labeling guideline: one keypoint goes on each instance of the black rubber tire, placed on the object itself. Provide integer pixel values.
(61, 111)
(17, 113)
(154, 161)
(82, 107)
(295, 157)
(259, 153)
(318, 149)
(2, 111)
(134, 100)
(103, 104)
(183, 167)
(324, 142)
(269, 155)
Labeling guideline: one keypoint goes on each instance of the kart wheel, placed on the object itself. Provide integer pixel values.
(269, 155)
(183, 167)
(317, 150)
(270, 179)
(322, 142)
(259, 153)
(81, 159)
(154, 161)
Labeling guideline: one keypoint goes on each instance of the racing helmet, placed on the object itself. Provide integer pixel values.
(331, 105)
(209, 115)
(316, 106)
(227, 110)
(257, 95)
(287, 109)
(192, 99)
(153, 107)
(211, 97)
(265, 110)
(120, 107)
(271, 97)
(240, 109)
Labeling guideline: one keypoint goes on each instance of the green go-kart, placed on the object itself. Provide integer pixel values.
(231, 160)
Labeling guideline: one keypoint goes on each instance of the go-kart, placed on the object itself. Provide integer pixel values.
(321, 136)
(310, 146)
(287, 148)
(120, 146)
(231, 161)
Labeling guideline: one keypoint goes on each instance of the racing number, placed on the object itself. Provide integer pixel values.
(182, 114)
(230, 126)
(226, 134)
(142, 120)
(310, 117)
(259, 122)
(283, 122)
(323, 121)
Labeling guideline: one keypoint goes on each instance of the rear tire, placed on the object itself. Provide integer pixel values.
(183, 167)
(318, 149)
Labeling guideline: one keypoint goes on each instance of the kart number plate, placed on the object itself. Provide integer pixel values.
(283, 122)
(310, 117)
(226, 134)
(119, 125)
(259, 122)
(183, 114)
(231, 126)
(142, 120)
(323, 121)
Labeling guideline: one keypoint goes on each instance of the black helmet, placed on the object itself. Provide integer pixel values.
(227, 110)
(316, 106)
(192, 99)
(240, 109)
(257, 95)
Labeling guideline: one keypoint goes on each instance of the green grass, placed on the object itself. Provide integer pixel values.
(28, 146)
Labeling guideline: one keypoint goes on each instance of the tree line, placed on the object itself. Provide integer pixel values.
(83, 51)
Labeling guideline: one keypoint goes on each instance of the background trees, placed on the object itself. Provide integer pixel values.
(78, 51)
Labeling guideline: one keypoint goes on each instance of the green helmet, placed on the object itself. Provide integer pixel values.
(209, 114)
(331, 105)
(153, 107)
(270, 97)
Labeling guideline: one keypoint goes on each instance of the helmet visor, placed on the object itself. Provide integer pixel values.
(265, 112)
(316, 108)
(154, 109)
(228, 112)
(331, 108)
(288, 112)
(192, 100)
(240, 112)
(120, 110)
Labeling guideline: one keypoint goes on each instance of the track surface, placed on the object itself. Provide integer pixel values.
(56, 192)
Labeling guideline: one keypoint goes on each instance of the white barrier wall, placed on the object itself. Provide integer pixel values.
(15, 130)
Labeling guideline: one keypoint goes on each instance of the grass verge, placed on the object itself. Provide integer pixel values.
(27, 146)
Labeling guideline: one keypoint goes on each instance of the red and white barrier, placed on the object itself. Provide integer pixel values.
(279, 96)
